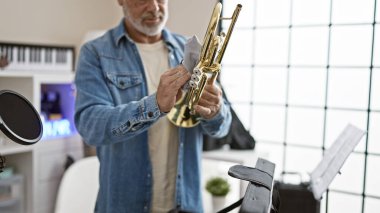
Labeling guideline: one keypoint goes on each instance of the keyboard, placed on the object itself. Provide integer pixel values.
(29, 57)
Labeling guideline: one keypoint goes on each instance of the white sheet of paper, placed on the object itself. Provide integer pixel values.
(334, 159)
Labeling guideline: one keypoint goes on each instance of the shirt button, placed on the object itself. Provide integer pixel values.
(145, 208)
(148, 175)
(179, 176)
(150, 114)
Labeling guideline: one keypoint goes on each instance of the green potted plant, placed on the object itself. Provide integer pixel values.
(218, 187)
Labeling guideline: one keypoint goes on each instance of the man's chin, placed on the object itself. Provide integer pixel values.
(153, 26)
(152, 22)
(153, 29)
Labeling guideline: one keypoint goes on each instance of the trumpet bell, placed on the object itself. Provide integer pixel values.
(181, 115)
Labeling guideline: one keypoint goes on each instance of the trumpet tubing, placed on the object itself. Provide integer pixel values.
(207, 69)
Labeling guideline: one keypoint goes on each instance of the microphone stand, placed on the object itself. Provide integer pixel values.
(2, 163)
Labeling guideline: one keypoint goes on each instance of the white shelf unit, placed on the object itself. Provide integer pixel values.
(41, 164)
(14, 199)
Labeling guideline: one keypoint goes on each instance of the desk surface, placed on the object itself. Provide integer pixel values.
(244, 157)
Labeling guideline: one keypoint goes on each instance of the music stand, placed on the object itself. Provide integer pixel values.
(258, 196)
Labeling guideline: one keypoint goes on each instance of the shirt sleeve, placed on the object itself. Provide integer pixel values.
(219, 125)
(96, 117)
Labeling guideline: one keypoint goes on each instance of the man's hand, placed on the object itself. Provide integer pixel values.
(169, 87)
(210, 102)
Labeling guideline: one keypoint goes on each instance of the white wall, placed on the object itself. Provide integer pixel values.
(190, 17)
(54, 21)
(65, 22)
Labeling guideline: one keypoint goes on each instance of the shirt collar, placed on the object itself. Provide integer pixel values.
(121, 33)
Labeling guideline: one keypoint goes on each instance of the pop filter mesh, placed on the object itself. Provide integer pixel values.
(19, 116)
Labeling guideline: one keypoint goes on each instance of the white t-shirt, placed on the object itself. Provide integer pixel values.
(163, 135)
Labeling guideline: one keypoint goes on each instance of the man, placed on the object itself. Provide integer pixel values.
(126, 84)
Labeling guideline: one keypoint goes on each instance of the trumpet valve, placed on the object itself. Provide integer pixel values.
(197, 71)
(195, 77)
(193, 84)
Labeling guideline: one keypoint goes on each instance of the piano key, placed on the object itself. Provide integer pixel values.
(30, 54)
(14, 54)
(39, 52)
(22, 54)
(9, 53)
(2, 48)
(50, 56)
(57, 56)
(47, 53)
(18, 54)
(28, 57)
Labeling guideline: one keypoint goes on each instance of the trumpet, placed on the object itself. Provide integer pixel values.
(207, 69)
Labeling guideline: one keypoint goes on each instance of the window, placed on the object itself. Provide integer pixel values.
(311, 67)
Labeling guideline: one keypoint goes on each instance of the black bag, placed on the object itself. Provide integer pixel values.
(238, 137)
(297, 198)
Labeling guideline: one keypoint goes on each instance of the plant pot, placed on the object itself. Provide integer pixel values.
(218, 203)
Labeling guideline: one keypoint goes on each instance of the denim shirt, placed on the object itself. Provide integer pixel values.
(113, 113)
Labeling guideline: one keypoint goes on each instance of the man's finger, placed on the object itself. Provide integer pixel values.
(203, 111)
(181, 80)
(174, 74)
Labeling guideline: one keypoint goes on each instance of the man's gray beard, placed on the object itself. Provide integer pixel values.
(149, 31)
